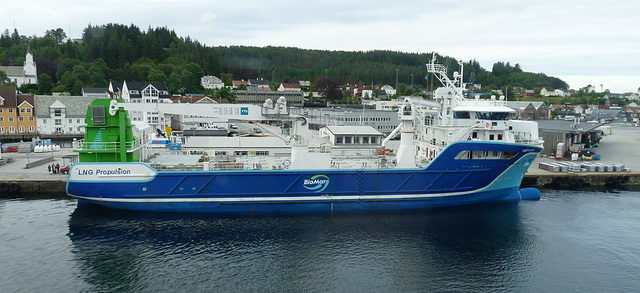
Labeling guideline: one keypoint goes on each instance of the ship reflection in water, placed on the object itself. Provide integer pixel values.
(471, 248)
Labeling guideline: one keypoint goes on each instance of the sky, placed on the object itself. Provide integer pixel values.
(582, 42)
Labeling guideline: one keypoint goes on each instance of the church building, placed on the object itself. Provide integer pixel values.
(26, 74)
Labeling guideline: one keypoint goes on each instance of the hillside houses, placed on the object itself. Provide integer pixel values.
(530, 110)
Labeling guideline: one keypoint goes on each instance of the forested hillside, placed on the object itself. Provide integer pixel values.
(116, 52)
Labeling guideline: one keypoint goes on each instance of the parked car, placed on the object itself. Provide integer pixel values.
(65, 169)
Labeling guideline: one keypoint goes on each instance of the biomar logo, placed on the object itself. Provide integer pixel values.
(317, 183)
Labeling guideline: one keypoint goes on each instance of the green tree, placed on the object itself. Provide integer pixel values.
(44, 84)
(77, 88)
(225, 93)
(69, 80)
(174, 83)
(227, 79)
(66, 65)
(82, 73)
(156, 75)
(190, 77)
(328, 88)
(4, 79)
(274, 85)
(57, 34)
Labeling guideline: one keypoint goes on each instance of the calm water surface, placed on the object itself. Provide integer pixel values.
(568, 242)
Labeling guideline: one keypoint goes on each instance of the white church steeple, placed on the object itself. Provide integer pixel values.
(30, 70)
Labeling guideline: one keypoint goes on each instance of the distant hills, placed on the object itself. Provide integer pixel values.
(116, 52)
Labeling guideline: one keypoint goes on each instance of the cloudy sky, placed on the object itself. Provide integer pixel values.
(582, 42)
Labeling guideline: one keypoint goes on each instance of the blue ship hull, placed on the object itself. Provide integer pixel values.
(455, 177)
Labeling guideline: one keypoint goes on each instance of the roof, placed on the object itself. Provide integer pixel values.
(291, 85)
(26, 99)
(76, 106)
(8, 93)
(13, 70)
(95, 90)
(261, 81)
(363, 130)
(211, 79)
(523, 104)
(140, 86)
(565, 126)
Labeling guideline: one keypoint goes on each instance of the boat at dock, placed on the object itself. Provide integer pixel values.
(346, 169)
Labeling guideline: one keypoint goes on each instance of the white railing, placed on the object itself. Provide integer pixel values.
(130, 146)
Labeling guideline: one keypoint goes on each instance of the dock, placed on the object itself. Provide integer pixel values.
(26, 174)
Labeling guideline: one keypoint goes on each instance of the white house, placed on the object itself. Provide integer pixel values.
(211, 82)
(388, 89)
(294, 87)
(143, 92)
(61, 114)
(26, 74)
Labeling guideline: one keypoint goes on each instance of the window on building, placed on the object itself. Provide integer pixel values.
(10, 110)
(78, 129)
(347, 139)
(30, 118)
(1, 110)
(58, 122)
(21, 129)
(57, 112)
(44, 121)
(28, 110)
(70, 120)
(12, 129)
(78, 121)
(491, 136)
(70, 129)
(150, 92)
(21, 118)
(32, 129)
(1, 119)
(365, 140)
(11, 119)
(374, 140)
(1, 129)
(338, 139)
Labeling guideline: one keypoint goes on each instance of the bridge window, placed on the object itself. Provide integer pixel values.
(462, 115)
(477, 155)
(463, 155)
(492, 115)
(482, 155)
(493, 155)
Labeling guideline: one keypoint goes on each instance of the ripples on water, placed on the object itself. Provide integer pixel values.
(569, 241)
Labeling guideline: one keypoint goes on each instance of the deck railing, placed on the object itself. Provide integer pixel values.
(130, 146)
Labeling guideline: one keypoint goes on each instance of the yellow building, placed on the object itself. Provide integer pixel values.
(17, 113)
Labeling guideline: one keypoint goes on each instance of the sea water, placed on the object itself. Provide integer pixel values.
(570, 241)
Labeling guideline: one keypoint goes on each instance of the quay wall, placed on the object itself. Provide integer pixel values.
(36, 188)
